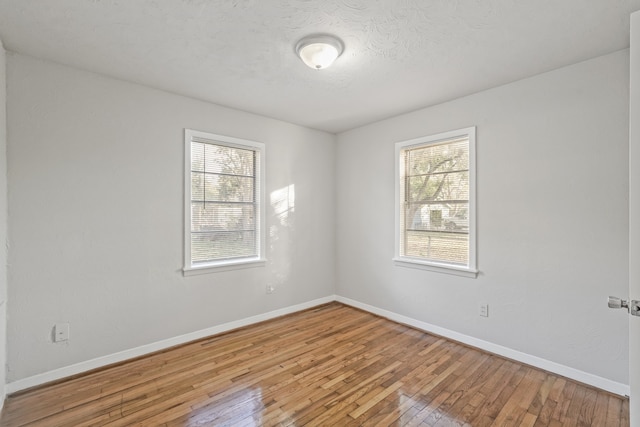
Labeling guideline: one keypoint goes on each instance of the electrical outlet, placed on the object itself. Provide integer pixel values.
(61, 332)
(484, 310)
(271, 289)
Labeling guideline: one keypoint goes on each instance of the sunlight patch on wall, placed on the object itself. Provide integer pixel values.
(283, 203)
(280, 233)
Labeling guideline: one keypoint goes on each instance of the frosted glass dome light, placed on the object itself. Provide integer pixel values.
(319, 51)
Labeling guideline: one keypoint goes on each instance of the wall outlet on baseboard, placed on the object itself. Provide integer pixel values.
(61, 332)
(484, 310)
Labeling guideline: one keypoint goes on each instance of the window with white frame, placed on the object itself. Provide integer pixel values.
(224, 184)
(435, 202)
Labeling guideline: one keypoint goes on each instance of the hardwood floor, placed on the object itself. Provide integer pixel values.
(328, 366)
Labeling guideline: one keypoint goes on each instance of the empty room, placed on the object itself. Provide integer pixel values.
(319, 213)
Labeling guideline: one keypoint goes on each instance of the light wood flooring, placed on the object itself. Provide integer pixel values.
(329, 366)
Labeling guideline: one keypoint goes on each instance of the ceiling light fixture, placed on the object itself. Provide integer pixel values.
(319, 51)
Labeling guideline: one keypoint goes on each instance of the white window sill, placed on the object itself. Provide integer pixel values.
(436, 267)
(215, 267)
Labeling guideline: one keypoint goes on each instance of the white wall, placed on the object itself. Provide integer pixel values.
(96, 211)
(552, 217)
(3, 224)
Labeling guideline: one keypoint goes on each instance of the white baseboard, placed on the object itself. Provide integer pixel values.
(100, 362)
(556, 368)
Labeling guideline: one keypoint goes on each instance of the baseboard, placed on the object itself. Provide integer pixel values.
(78, 368)
(556, 368)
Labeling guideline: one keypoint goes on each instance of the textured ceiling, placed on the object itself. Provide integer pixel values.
(400, 55)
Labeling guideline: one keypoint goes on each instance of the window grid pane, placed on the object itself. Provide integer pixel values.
(438, 246)
(217, 216)
(222, 245)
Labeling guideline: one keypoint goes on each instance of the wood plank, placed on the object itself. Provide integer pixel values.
(613, 411)
(331, 365)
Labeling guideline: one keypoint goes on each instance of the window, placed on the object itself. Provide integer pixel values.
(224, 220)
(435, 203)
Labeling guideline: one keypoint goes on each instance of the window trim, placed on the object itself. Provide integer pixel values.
(441, 267)
(229, 264)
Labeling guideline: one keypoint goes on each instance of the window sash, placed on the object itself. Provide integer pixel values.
(224, 210)
(435, 219)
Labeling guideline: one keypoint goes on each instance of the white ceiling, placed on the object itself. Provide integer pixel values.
(400, 55)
